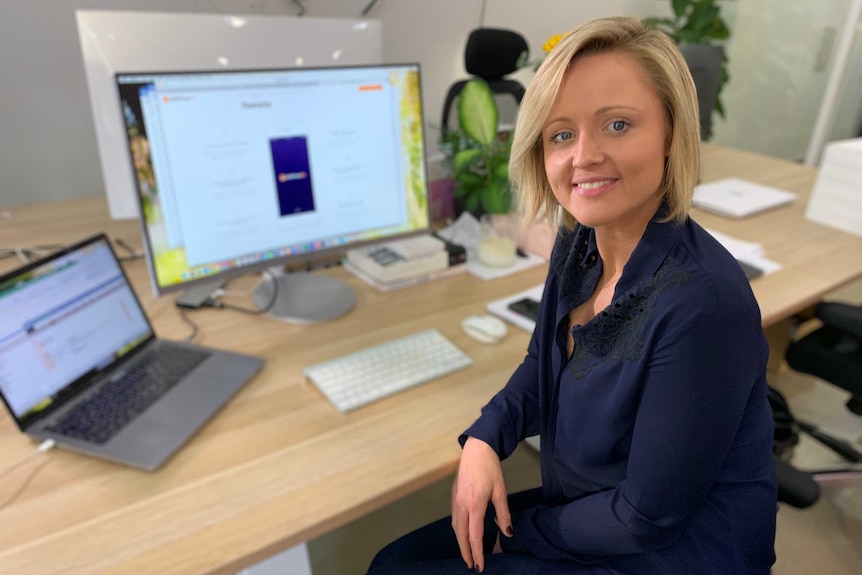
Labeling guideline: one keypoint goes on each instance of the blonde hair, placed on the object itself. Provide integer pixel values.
(669, 74)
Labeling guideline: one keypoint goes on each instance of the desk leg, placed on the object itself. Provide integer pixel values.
(778, 337)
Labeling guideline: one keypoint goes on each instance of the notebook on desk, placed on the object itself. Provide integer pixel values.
(737, 198)
(80, 363)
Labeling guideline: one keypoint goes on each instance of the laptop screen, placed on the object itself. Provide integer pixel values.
(63, 320)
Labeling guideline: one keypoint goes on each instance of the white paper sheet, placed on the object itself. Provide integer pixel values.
(748, 252)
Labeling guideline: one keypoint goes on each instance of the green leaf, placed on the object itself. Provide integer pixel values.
(653, 22)
(469, 179)
(449, 141)
(686, 36)
(472, 203)
(701, 22)
(523, 59)
(465, 158)
(501, 171)
(665, 25)
(679, 7)
(719, 30)
(477, 112)
(496, 197)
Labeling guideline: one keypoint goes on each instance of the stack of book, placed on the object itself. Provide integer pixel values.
(404, 263)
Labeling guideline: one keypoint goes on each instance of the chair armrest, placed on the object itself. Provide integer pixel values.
(841, 316)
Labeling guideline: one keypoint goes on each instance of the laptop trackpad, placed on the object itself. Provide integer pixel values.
(171, 421)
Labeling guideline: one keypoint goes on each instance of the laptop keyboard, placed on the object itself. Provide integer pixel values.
(114, 405)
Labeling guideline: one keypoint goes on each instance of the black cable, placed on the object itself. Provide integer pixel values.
(269, 306)
(124, 245)
(369, 8)
(195, 329)
(300, 6)
(134, 254)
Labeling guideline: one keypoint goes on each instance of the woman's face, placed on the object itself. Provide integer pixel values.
(604, 143)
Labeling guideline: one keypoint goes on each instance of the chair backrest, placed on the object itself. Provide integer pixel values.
(490, 54)
(704, 63)
(833, 352)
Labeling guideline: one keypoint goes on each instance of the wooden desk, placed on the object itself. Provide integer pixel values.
(815, 259)
(279, 465)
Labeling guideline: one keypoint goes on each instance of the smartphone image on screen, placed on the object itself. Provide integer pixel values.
(527, 307)
(292, 175)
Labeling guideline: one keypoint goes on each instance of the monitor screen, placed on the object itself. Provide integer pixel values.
(237, 170)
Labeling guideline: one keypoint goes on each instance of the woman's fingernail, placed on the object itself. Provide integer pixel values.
(510, 531)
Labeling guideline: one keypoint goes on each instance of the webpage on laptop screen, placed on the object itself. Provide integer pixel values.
(61, 321)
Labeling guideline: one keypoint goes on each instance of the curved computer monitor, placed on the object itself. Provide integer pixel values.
(237, 171)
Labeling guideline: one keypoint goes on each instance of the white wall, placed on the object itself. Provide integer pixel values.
(47, 142)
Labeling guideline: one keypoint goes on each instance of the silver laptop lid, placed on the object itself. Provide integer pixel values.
(64, 320)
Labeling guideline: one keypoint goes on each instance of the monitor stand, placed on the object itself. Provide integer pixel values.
(196, 296)
(305, 298)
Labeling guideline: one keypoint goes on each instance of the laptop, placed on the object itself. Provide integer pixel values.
(80, 363)
(735, 198)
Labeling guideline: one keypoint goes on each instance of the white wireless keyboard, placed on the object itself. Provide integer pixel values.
(370, 374)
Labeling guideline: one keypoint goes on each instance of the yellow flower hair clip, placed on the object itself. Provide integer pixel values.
(552, 41)
(546, 48)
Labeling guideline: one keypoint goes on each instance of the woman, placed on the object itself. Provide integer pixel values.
(645, 375)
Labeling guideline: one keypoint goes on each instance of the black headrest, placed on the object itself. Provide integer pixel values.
(491, 53)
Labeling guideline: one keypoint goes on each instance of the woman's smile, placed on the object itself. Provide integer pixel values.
(592, 188)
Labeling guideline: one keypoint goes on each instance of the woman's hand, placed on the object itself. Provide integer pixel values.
(478, 481)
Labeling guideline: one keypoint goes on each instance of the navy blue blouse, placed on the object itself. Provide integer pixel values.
(656, 435)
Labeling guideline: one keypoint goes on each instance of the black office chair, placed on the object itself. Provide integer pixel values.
(704, 63)
(833, 352)
(490, 54)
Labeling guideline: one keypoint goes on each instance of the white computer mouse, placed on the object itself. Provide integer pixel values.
(484, 328)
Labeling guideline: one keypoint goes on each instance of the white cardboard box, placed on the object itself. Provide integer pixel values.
(836, 200)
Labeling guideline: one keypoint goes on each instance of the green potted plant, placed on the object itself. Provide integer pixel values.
(697, 22)
(479, 155)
